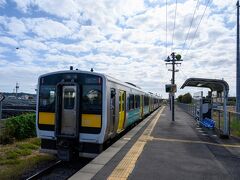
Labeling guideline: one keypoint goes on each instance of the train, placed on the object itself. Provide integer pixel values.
(79, 111)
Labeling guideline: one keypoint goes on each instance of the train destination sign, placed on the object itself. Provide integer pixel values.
(2, 97)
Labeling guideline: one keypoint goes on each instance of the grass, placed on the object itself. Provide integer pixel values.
(17, 158)
(235, 127)
(234, 123)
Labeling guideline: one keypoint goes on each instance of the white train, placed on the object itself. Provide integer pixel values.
(78, 111)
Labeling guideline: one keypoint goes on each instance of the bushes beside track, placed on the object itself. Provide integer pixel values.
(19, 127)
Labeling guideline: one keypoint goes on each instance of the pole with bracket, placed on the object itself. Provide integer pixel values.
(238, 64)
(173, 62)
(2, 97)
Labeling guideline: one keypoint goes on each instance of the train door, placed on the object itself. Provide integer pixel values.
(67, 119)
(69, 115)
(122, 110)
(141, 106)
(112, 109)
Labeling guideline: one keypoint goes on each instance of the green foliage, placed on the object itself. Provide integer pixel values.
(235, 127)
(17, 158)
(178, 57)
(179, 99)
(20, 127)
(27, 146)
(186, 98)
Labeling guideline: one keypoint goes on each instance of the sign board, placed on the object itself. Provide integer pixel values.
(171, 88)
(2, 97)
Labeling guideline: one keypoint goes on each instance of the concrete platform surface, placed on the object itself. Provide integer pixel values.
(161, 149)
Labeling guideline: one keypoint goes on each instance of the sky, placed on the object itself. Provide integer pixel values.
(126, 39)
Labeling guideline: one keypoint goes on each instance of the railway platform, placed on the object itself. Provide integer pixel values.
(158, 148)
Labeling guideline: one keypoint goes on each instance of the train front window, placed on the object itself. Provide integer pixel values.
(69, 98)
(47, 98)
(92, 98)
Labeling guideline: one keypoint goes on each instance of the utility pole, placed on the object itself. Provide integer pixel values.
(238, 64)
(17, 87)
(173, 61)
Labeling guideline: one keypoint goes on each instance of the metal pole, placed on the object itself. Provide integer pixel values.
(238, 64)
(225, 115)
(173, 82)
(0, 110)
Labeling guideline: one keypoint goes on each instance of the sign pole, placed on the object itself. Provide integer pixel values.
(173, 61)
(238, 64)
(2, 97)
(0, 110)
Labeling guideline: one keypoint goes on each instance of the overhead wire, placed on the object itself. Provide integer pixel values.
(197, 27)
(184, 44)
(166, 29)
(174, 25)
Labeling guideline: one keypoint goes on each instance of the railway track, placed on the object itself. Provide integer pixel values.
(60, 170)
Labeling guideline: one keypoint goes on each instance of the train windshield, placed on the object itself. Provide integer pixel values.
(90, 88)
(92, 98)
(47, 98)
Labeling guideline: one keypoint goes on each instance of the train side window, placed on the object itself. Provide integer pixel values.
(119, 103)
(123, 102)
(134, 102)
(146, 100)
(137, 101)
(131, 101)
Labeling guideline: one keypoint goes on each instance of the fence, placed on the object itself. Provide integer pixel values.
(6, 113)
(188, 108)
(234, 118)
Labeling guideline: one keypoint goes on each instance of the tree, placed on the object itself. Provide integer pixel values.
(186, 98)
(179, 99)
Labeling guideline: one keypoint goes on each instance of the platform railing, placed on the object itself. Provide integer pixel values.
(188, 108)
(233, 120)
(218, 117)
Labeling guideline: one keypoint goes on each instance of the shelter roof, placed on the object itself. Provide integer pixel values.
(213, 84)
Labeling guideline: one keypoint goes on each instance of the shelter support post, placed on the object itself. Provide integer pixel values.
(226, 120)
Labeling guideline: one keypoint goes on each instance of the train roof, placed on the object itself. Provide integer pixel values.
(109, 78)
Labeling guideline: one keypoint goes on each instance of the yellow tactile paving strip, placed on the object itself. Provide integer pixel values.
(127, 164)
(196, 142)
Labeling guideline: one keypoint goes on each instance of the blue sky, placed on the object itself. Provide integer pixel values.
(125, 39)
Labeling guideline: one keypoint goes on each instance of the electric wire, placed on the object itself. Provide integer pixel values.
(181, 71)
(197, 27)
(174, 25)
(166, 29)
(184, 44)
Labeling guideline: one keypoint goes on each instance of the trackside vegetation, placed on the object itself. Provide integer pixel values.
(18, 128)
(186, 98)
(21, 156)
(19, 147)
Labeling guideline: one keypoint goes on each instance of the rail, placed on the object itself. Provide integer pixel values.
(45, 171)
(217, 115)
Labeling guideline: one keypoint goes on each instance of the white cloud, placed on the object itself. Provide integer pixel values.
(16, 27)
(8, 41)
(35, 45)
(63, 8)
(47, 28)
(2, 3)
(125, 39)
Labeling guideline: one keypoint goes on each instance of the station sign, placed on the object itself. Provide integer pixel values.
(2, 97)
(171, 88)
